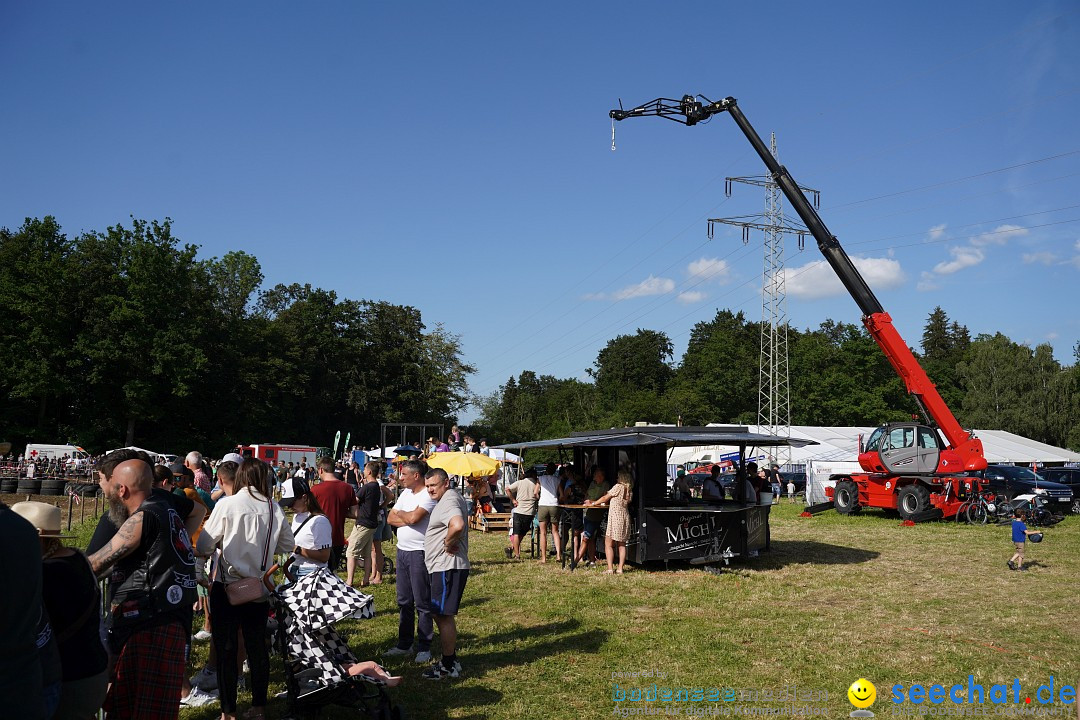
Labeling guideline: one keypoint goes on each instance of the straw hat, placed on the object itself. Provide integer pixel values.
(43, 516)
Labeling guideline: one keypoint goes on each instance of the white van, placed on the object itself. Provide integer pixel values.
(77, 457)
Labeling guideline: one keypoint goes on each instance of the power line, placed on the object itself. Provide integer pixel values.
(712, 301)
(696, 248)
(953, 181)
(977, 120)
(623, 251)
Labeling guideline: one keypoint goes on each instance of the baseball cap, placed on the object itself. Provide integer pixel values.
(292, 489)
(233, 457)
(179, 468)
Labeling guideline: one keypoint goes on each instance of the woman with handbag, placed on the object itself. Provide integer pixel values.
(249, 529)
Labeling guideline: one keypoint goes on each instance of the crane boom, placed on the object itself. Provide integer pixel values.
(967, 449)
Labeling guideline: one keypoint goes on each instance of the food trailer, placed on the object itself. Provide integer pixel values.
(663, 529)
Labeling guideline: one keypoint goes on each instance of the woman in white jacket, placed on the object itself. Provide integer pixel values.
(249, 529)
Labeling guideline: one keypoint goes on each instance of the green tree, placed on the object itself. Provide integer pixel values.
(36, 353)
(944, 345)
(140, 343)
(717, 380)
(631, 373)
(839, 376)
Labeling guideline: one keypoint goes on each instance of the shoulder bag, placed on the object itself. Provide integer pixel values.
(253, 589)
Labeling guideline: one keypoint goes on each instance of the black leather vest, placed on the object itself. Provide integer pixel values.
(156, 583)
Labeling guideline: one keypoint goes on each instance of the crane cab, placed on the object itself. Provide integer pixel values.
(907, 449)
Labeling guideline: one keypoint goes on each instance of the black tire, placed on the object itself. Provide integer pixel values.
(976, 514)
(29, 487)
(961, 513)
(9, 485)
(81, 489)
(912, 500)
(53, 487)
(1075, 506)
(846, 497)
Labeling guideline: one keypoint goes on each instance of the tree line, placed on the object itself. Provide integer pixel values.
(127, 337)
(838, 376)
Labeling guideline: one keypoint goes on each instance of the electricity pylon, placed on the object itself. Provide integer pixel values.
(774, 395)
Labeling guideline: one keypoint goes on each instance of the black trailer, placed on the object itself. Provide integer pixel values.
(697, 531)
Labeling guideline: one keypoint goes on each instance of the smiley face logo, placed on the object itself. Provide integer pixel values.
(862, 693)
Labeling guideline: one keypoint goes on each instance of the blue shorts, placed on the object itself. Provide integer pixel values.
(447, 587)
(592, 528)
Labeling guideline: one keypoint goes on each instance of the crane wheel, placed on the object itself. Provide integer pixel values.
(912, 500)
(846, 497)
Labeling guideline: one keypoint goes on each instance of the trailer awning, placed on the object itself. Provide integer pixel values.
(672, 436)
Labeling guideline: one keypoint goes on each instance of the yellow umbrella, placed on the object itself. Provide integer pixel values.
(464, 464)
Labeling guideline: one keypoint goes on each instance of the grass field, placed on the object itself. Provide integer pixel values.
(838, 598)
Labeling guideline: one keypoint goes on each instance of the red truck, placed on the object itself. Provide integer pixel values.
(913, 468)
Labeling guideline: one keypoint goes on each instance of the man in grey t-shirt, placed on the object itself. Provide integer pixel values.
(446, 554)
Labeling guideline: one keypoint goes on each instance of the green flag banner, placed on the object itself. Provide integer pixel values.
(337, 440)
(348, 437)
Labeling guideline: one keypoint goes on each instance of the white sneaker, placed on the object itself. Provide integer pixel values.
(397, 652)
(202, 636)
(198, 698)
(422, 657)
(205, 679)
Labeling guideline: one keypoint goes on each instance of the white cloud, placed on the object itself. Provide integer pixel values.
(1043, 258)
(964, 256)
(817, 279)
(999, 235)
(1051, 336)
(972, 254)
(691, 296)
(709, 269)
(937, 232)
(649, 286)
(927, 281)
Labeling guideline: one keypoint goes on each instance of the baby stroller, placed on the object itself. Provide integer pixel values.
(315, 657)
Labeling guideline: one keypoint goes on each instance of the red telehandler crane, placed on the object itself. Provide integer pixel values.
(907, 466)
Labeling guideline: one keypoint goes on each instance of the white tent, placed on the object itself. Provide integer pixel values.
(841, 444)
(387, 452)
(837, 452)
(503, 455)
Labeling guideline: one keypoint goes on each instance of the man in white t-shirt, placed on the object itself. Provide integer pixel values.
(548, 512)
(410, 516)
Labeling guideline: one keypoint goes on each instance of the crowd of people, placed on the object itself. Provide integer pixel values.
(563, 496)
(197, 538)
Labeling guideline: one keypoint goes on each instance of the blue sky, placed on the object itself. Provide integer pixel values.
(457, 156)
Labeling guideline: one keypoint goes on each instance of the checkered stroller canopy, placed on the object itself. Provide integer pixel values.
(313, 605)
